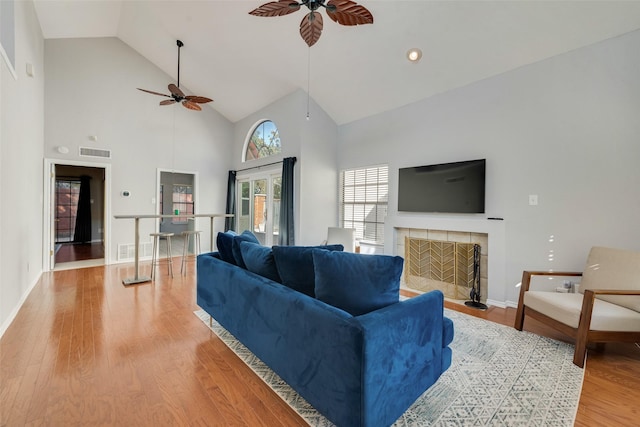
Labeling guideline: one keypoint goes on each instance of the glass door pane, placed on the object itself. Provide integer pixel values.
(244, 206)
(182, 202)
(260, 209)
(67, 194)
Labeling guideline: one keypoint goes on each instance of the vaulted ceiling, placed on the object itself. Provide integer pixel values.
(246, 62)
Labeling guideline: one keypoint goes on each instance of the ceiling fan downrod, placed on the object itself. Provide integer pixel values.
(314, 5)
(180, 44)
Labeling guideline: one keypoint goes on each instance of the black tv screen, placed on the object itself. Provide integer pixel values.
(449, 187)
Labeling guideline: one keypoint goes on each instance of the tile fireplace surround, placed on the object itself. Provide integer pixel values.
(443, 260)
(489, 234)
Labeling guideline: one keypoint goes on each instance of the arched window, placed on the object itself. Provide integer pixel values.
(263, 142)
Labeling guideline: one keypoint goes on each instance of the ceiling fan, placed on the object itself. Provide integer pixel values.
(345, 12)
(188, 101)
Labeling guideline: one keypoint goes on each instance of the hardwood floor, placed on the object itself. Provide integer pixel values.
(85, 350)
(70, 252)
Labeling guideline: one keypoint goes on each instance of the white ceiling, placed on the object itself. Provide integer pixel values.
(245, 62)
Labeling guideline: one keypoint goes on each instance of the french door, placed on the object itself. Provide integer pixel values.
(259, 206)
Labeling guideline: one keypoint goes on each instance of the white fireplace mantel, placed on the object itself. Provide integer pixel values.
(494, 228)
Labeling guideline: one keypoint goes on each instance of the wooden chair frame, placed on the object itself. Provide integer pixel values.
(583, 334)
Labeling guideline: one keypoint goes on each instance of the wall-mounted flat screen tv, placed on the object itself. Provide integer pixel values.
(449, 187)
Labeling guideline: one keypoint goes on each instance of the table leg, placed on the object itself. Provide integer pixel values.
(137, 278)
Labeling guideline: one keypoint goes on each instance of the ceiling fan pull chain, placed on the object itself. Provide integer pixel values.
(308, 81)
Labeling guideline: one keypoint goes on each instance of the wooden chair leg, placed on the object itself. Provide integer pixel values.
(579, 355)
(582, 336)
(519, 322)
(524, 287)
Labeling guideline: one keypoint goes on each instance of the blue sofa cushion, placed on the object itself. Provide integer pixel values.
(224, 242)
(246, 236)
(259, 259)
(295, 266)
(357, 283)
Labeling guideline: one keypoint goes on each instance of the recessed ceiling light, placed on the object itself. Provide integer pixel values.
(414, 54)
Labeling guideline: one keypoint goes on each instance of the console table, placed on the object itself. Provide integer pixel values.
(138, 278)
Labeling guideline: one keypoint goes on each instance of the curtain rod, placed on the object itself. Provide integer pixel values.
(258, 167)
(261, 166)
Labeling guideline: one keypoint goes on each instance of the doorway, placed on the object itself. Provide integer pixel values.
(76, 218)
(259, 206)
(177, 197)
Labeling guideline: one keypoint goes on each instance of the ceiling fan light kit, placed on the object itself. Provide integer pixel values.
(344, 12)
(177, 95)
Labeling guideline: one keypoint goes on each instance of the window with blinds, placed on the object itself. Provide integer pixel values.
(364, 195)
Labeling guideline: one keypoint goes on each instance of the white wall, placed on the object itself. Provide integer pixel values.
(91, 91)
(565, 129)
(313, 142)
(21, 137)
(319, 177)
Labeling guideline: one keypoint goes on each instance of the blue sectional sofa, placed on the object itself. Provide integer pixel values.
(356, 370)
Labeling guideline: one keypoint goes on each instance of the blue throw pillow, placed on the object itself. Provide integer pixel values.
(259, 259)
(357, 283)
(246, 236)
(224, 243)
(295, 266)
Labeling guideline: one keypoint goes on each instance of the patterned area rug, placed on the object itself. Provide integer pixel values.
(498, 377)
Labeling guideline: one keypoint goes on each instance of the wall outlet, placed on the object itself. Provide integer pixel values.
(533, 199)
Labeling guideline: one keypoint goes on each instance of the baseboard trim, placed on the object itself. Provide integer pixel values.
(502, 304)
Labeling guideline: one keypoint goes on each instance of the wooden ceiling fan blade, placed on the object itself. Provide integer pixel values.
(191, 105)
(154, 93)
(311, 28)
(175, 90)
(347, 12)
(276, 8)
(177, 95)
(198, 99)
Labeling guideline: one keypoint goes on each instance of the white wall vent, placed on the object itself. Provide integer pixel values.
(95, 152)
(126, 252)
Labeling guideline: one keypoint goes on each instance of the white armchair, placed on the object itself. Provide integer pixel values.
(606, 308)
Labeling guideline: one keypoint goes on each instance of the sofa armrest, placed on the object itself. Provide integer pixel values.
(403, 347)
(214, 254)
(524, 287)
